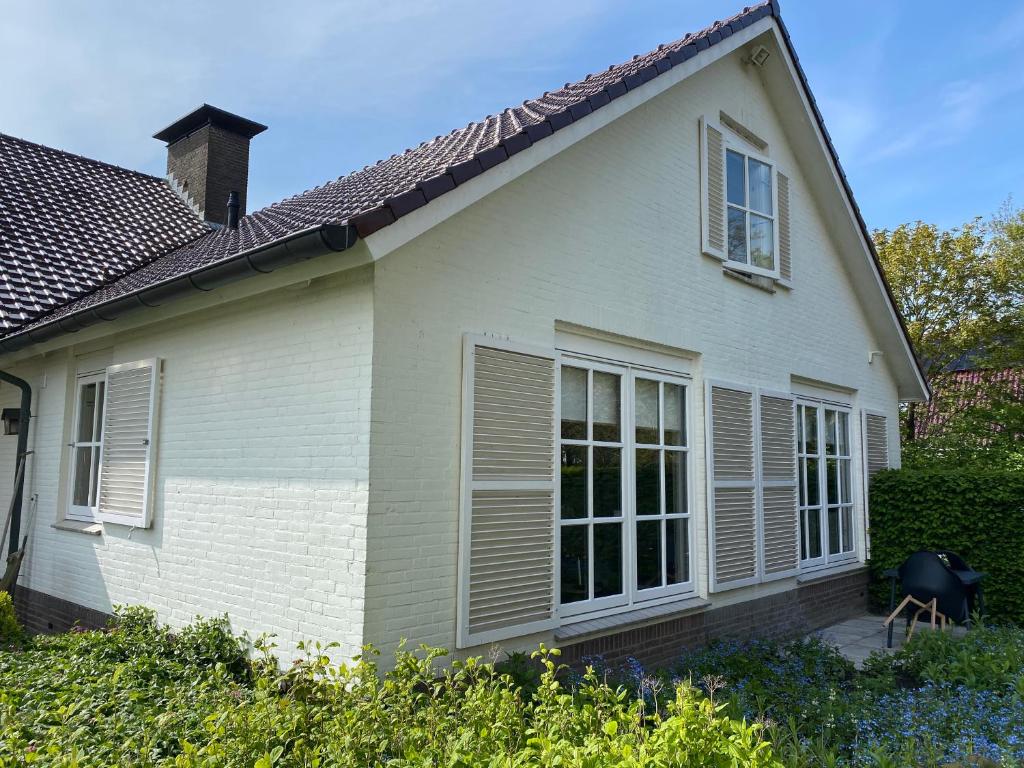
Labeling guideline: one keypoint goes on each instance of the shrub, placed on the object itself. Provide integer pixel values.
(10, 629)
(977, 513)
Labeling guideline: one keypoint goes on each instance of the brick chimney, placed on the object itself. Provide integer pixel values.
(208, 159)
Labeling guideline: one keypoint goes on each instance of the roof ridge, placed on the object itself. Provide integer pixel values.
(84, 158)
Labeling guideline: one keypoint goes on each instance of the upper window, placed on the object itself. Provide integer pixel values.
(826, 500)
(624, 509)
(751, 212)
(85, 446)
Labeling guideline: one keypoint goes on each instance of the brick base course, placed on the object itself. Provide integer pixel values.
(42, 614)
(787, 614)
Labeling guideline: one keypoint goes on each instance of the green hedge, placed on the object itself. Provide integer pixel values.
(978, 513)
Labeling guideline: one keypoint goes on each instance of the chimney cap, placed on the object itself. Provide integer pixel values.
(207, 115)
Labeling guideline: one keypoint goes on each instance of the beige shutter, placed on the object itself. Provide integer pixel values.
(779, 520)
(733, 486)
(876, 444)
(785, 242)
(507, 529)
(128, 443)
(712, 168)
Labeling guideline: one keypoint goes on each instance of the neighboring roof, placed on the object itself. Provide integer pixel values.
(207, 115)
(959, 390)
(377, 195)
(69, 225)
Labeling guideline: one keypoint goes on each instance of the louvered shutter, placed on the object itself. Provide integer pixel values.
(876, 444)
(785, 241)
(779, 520)
(712, 165)
(129, 439)
(733, 486)
(507, 535)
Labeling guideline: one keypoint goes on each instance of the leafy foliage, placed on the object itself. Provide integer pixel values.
(977, 513)
(10, 630)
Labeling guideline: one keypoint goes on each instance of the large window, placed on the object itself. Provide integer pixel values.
(826, 500)
(85, 447)
(624, 510)
(750, 212)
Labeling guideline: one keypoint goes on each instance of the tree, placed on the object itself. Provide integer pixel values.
(961, 293)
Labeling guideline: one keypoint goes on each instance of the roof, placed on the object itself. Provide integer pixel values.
(376, 196)
(69, 225)
(959, 390)
(207, 115)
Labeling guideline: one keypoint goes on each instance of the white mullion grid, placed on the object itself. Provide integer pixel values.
(821, 509)
(730, 145)
(86, 512)
(845, 499)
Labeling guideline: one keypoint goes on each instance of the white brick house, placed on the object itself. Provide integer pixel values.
(619, 358)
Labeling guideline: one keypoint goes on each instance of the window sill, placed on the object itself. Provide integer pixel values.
(823, 574)
(606, 624)
(79, 526)
(760, 282)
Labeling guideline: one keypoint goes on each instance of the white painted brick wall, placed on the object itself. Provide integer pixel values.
(604, 235)
(263, 461)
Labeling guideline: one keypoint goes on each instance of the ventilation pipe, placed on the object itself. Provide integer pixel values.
(233, 210)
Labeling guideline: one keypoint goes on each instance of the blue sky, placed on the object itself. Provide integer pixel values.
(924, 100)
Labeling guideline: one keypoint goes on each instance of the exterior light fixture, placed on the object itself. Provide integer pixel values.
(12, 420)
(759, 56)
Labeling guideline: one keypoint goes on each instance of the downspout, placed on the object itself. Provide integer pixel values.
(20, 455)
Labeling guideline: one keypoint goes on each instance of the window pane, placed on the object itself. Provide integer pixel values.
(814, 533)
(575, 567)
(760, 178)
(811, 430)
(574, 403)
(844, 433)
(607, 482)
(737, 235)
(80, 488)
(832, 480)
(100, 400)
(648, 489)
(762, 242)
(844, 481)
(803, 535)
(800, 428)
(802, 482)
(833, 530)
(606, 407)
(648, 554)
(86, 412)
(677, 551)
(675, 482)
(675, 414)
(607, 559)
(734, 174)
(574, 481)
(813, 494)
(830, 432)
(95, 476)
(847, 518)
(646, 411)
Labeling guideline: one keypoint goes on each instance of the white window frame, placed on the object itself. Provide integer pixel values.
(631, 597)
(78, 512)
(825, 560)
(733, 144)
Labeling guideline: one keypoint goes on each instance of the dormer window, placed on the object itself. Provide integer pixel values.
(750, 213)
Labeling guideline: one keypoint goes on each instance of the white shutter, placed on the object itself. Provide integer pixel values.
(785, 240)
(507, 526)
(876, 444)
(732, 486)
(129, 441)
(779, 504)
(712, 175)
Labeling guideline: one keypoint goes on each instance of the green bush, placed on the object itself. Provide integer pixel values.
(978, 513)
(10, 629)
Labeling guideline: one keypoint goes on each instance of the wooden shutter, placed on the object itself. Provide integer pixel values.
(733, 486)
(712, 164)
(785, 242)
(779, 516)
(876, 444)
(507, 529)
(129, 440)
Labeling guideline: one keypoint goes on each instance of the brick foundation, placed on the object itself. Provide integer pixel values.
(42, 614)
(792, 613)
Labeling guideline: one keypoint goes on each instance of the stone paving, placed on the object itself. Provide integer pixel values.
(858, 637)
